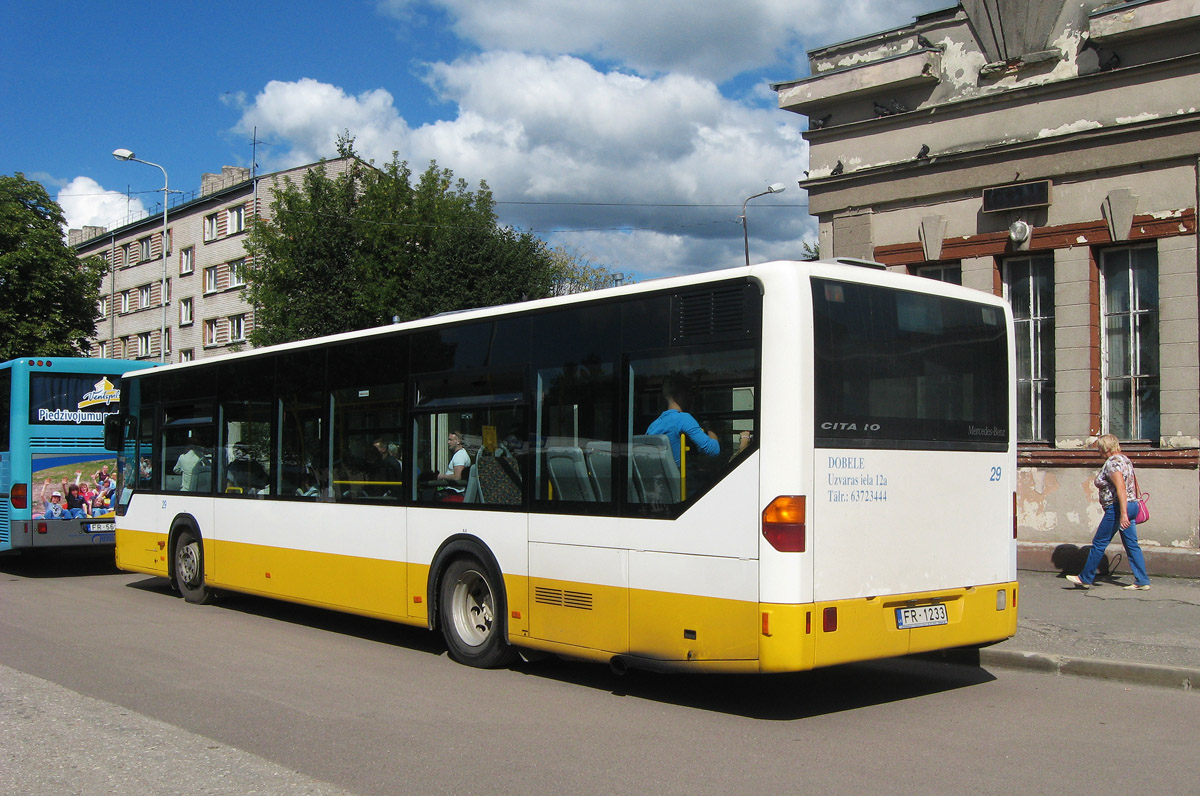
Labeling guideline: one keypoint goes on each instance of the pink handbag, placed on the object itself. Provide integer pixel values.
(1143, 498)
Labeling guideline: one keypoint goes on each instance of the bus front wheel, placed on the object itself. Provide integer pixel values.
(189, 568)
(472, 615)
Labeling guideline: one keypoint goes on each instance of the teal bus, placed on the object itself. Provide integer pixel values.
(52, 412)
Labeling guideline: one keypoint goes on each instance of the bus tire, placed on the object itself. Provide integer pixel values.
(188, 561)
(472, 605)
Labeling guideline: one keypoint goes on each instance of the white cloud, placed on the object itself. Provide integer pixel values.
(560, 131)
(712, 40)
(86, 203)
(309, 116)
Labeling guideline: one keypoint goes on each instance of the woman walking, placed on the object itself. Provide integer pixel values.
(1115, 482)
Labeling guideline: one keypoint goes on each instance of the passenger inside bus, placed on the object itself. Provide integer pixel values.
(675, 420)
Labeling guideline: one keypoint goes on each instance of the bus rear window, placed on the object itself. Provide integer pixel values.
(73, 398)
(899, 369)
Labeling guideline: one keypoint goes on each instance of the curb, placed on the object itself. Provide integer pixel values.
(1177, 677)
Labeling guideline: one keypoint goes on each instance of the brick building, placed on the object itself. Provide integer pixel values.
(1047, 151)
(205, 309)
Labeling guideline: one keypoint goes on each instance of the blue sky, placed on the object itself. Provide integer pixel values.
(629, 131)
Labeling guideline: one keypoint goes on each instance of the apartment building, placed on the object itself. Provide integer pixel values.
(1047, 151)
(198, 308)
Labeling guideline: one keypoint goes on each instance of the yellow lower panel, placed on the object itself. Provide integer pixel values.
(794, 637)
(683, 627)
(365, 586)
(142, 551)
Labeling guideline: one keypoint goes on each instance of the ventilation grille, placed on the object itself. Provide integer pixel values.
(712, 314)
(562, 598)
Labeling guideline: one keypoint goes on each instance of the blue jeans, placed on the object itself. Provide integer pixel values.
(1108, 527)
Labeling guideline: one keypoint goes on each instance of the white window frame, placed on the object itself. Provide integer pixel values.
(187, 355)
(210, 227)
(1034, 323)
(102, 349)
(237, 273)
(145, 295)
(185, 311)
(187, 260)
(144, 249)
(212, 332)
(212, 279)
(237, 328)
(103, 307)
(124, 301)
(145, 344)
(1136, 394)
(235, 220)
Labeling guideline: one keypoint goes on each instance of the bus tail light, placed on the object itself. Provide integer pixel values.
(829, 619)
(783, 523)
(43, 528)
(19, 496)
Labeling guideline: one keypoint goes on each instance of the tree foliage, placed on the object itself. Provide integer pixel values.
(48, 296)
(368, 245)
(575, 273)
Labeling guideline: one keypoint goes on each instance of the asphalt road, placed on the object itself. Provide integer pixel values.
(111, 684)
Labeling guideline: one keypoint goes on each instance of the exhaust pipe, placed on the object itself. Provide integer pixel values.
(618, 665)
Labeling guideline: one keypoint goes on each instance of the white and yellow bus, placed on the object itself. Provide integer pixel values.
(503, 475)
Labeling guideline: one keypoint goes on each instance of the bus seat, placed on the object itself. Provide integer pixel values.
(568, 474)
(202, 478)
(473, 493)
(599, 462)
(499, 481)
(655, 473)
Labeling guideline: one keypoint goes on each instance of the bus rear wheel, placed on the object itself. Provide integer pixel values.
(189, 568)
(472, 615)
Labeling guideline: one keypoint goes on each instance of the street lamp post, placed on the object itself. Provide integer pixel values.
(125, 154)
(775, 188)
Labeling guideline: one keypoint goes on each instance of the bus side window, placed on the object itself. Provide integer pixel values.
(693, 418)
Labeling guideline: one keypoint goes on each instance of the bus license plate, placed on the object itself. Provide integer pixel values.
(101, 527)
(921, 616)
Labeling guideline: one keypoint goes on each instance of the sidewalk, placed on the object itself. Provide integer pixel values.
(1147, 637)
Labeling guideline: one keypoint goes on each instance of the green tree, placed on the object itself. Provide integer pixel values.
(48, 296)
(575, 273)
(368, 245)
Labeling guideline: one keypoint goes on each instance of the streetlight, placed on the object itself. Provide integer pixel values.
(125, 154)
(775, 188)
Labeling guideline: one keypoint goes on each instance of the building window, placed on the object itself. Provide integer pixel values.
(144, 249)
(187, 355)
(211, 332)
(210, 227)
(1129, 342)
(236, 221)
(102, 349)
(237, 273)
(943, 272)
(187, 260)
(125, 301)
(144, 296)
(185, 312)
(166, 341)
(237, 327)
(211, 279)
(144, 344)
(127, 254)
(1029, 288)
(103, 307)
(170, 235)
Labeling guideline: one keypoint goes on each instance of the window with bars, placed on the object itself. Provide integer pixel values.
(1029, 288)
(1129, 342)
